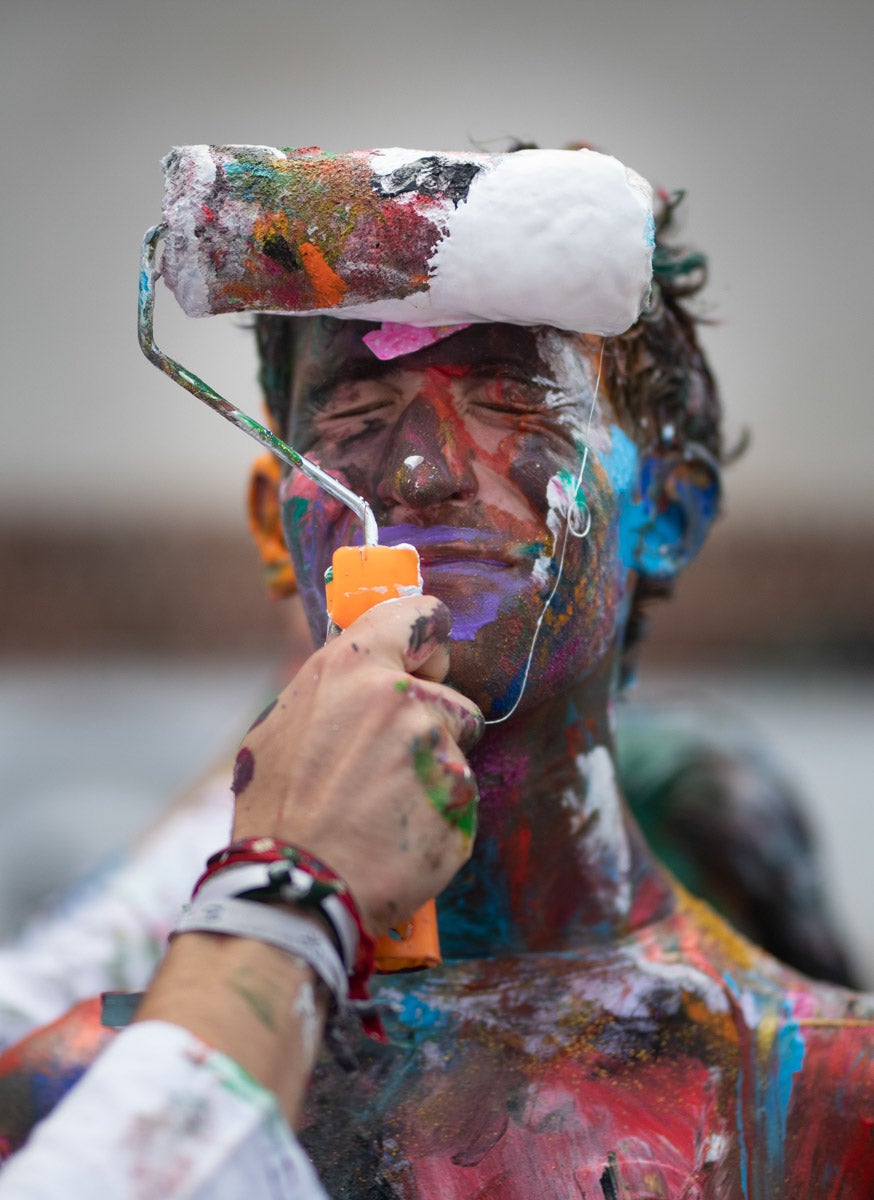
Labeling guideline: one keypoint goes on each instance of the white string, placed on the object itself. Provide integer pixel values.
(571, 519)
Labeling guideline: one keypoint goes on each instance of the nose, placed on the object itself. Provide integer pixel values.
(428, 461)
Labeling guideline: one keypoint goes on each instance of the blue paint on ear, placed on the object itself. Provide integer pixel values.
(663, 530)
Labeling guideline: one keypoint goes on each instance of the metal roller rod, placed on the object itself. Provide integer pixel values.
(230, 412)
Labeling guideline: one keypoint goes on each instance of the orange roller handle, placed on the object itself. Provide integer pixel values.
(361, 577)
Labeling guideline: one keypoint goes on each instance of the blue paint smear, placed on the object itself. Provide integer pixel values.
(772, 1082)
(741, 1136)
(773, 1090)
(420, 1017)
(658, 537)
(621, 462)
(49, 1086)
(474, 910)
(790, 1059)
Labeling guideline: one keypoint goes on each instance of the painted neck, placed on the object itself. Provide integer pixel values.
(559, 863)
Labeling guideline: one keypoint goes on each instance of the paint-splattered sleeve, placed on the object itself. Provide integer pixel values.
(110, 932)
(161, 1114)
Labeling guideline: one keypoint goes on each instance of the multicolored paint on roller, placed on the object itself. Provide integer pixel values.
(539, 237)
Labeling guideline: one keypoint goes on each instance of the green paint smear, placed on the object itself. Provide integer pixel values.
(296, 508)
(259, 1005)
(430, 774)
(236, 1080)
(570, 481)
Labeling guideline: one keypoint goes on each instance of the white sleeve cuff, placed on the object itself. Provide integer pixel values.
(163, 1115)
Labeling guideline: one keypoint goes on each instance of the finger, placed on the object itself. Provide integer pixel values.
(412, 633)
(447, 781)
(461, 717)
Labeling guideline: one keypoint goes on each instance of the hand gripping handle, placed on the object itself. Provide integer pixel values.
(360, 578)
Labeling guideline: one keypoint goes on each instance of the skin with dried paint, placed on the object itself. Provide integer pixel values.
(252, 1001)
(596, 1031)
(249, 1000)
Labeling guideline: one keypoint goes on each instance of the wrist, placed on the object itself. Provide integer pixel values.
(258, 1004)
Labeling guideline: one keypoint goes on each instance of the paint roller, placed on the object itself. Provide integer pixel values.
(423, 242)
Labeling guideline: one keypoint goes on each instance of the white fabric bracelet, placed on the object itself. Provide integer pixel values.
(290, 885)
(277, 927)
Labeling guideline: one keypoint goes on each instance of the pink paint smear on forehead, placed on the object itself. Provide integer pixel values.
(393, 339)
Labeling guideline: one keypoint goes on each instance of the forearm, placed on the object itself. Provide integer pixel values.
(162, 1114)
(255, 1003)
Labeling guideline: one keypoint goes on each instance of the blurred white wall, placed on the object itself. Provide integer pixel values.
(762, 111)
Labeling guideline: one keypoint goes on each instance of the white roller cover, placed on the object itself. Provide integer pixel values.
(426, 238)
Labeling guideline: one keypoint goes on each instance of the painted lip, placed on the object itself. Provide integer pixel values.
(441, 545)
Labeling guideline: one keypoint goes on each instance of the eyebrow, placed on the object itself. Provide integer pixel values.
(348, 370)
(479, 361)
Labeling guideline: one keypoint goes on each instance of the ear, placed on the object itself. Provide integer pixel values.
(678, 501)
(265, 522)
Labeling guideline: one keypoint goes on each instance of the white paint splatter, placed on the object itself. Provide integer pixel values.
(304, 1008)
(716, 1147)
(684, 978)
(606, 842)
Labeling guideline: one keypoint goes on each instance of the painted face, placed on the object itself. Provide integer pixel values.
(470, 449)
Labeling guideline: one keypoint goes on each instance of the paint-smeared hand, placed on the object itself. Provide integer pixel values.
(361, 761)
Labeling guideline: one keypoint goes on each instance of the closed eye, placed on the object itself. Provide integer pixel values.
(507, 394)
(351, 401)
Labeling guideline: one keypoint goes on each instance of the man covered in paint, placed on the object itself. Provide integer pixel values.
(595, 1031)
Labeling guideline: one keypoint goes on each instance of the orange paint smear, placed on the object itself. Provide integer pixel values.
(328, 287)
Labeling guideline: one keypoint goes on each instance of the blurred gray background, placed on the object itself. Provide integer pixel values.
(133, 631)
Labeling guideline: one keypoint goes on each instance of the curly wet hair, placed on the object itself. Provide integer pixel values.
(657, 373)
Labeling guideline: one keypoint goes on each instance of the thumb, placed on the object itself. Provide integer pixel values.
(411, 633)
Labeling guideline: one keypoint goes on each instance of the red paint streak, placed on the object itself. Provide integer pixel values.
(453, 370)
(833, 1095)
(519, 864)
(569, 1125)
(858, 1172)
(35, 1073)
(75, 1037)
(649, 899)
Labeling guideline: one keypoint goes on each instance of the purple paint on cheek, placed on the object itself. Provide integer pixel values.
(244, 769)
(466, 625)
